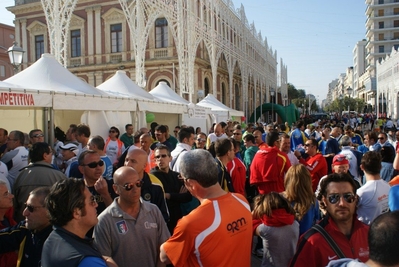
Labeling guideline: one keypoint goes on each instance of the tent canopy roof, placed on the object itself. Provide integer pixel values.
(121, 85)
(163, 92)
(211, 102)
(46, 74)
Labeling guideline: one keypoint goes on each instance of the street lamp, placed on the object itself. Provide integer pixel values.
(285, 98)
(272, 95)
(16, 56)
(340, 100)
(349, 90)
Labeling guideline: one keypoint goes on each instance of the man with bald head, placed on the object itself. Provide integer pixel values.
(152, 188)
(218, 133)
(130, 230)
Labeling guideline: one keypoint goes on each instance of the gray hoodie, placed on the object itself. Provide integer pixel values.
(346, 262)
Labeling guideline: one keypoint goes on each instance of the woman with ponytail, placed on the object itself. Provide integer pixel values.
(274, 221)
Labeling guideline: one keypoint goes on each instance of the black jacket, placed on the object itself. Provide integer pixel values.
(30, 242)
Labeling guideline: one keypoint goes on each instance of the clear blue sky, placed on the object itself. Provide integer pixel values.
(315, 38)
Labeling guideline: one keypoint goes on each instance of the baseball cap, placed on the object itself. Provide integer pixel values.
(340, 160)
(71, 147)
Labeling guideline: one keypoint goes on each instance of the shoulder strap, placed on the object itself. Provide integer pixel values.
(329, 240)
(172, 164)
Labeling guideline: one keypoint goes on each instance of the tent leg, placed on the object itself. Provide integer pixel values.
(51, 127)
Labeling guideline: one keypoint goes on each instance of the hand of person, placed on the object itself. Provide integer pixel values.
(101, 186)
(183, 189)
(110, 262)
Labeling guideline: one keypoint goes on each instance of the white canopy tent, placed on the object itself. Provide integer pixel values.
(221, 111)
(70, 95)
(121, 85)
(194, 115)
(21, 108)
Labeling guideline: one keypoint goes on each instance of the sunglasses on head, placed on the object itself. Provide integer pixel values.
(94, 164)
(340, 158)
(31, 208)
(161, 156)
(348, 197)
(129, 186)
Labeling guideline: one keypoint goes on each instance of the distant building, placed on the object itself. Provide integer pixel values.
(7, 37)
(197, 48)
(382, 34)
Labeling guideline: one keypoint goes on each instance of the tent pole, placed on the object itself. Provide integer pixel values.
(51, 127)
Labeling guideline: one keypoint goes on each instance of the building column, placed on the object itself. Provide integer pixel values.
(97, 22)
(90, 36)
(24, 42)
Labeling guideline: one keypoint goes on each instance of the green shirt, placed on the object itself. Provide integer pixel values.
(128, 141)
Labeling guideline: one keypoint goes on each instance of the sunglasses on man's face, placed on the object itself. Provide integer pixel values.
(94, 164)
(129, 186)
(348, 197)
(31, 208)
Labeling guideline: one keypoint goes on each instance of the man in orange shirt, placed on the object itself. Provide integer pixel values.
(224, 236)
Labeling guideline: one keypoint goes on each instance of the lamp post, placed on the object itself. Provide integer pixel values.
(349, 90)
(272, 95)
(285, 98)
(16, 56)
(340, 100)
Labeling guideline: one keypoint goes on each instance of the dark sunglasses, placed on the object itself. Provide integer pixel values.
(308, 145)
(31, 208)
(348, 197)
(161, 156)
(129, 186)
(381, 138)
(93, 165)
(236, 134)
(112, 131)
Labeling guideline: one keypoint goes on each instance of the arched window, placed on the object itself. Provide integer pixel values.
(206, 86)
(224, 94)
(162, 80)
(237, 97)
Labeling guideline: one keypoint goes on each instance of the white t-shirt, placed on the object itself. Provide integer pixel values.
(112, 150)
(373, 200)
(3, 175)
(15, 159)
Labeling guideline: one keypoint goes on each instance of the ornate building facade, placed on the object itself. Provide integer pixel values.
(197, 47)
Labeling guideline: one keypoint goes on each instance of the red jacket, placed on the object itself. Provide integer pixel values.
(8, 258)
(317, 166)
(268, 169)
(316, 252)
(238, 173)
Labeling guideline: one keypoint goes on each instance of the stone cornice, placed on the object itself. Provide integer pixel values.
(26, 8)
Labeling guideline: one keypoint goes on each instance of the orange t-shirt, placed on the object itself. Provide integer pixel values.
(217, 233)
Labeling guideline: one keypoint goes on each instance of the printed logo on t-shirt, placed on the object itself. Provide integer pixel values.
(236, 225)
(122, 227)
(149, 225)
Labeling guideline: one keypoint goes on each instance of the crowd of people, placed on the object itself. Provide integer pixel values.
(320, 194)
